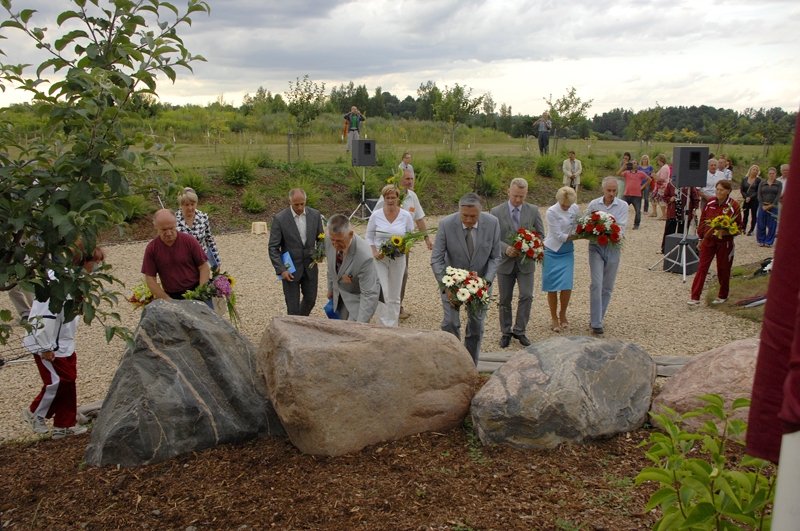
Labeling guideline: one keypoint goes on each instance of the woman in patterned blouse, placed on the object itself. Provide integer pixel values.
(194, 222)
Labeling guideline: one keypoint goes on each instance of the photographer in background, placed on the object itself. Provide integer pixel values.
(352, 124)
(544, 125)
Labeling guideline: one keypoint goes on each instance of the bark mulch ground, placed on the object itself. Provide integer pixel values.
(431, 481)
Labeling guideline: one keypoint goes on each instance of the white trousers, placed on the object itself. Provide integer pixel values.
(390, 276)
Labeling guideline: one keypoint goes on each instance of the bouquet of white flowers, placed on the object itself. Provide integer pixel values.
(466, 288)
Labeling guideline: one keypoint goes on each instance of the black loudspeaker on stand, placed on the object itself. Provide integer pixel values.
(363, 155)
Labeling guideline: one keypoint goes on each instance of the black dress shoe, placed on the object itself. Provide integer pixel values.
(505, 341)
(524, 341)
(597, 331)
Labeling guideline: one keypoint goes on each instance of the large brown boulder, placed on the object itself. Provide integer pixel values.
(727, 371)
(339, 386)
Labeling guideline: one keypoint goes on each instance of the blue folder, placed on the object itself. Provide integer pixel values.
(286, 258)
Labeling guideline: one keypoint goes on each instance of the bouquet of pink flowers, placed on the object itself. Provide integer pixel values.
(220, 286)
(529, 244)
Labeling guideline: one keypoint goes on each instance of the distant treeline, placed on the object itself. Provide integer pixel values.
(266, 113)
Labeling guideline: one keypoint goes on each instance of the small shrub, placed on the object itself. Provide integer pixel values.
(590, 156)
(488, 184)
(136, 206)
(303, 167)
(252, 203)
(339, 160)
(736, 159)
(422, 179)
(700, 487)
(589, 179)
(372, 186)
(611, 162)
(387, 158)
(479, 155)
(458, 191)
(446, 162)
(195, 180)
(546, 165)
(262, 159)
(236, 170)
(779, 155)
(308, 185)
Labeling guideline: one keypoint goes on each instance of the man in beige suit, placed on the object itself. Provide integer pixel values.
(352, 279)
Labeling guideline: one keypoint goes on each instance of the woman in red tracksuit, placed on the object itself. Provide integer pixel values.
(714, 245)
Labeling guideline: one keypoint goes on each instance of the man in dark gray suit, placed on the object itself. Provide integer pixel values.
(512, 215)
(294, 230)
(468, 239)
(352, 279)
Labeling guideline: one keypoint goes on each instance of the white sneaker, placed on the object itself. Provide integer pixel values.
(36, 422)
(692, 302)
(718, 301)
(60, 433)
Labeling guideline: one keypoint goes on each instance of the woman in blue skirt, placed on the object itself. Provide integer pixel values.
(559, 257)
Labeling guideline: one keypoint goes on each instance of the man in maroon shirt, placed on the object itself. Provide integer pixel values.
(175, 257)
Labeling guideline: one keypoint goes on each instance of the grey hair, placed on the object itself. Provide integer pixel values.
(784, 166)
(188, 195)
(293, 190)
(339, 224)
(566, 195)
(470, 200)
(519, 182)
(608, 179)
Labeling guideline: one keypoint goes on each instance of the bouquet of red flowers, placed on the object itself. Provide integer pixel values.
(599, 227)
(529, 244)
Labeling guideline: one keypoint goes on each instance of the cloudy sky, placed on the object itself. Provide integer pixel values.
(625, 53)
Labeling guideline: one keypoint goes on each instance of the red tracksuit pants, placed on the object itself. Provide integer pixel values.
(723, 251)
(58, 397)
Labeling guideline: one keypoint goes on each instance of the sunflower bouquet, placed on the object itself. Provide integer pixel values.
(397, 246)
(723, 225)
(529, 244)
(142, 296)
(220, 286)
(599, 227)
(318, 253)
(466, 288)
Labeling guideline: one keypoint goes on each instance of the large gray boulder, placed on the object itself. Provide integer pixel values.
(726, 371)
(565, 389)
(339, 386)
(190, 383)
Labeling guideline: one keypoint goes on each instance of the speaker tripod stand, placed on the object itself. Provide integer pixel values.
(680, 250)
(366, 211)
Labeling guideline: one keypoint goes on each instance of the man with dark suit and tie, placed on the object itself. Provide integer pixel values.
(352, 278)
(512, 215)
(295, 230)
(468, 239)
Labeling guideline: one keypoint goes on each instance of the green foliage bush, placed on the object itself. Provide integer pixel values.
(779, 155)
(237, 171)
(136, 206)
(700, 488)
(589, 179)
(490, 183)
(262, 159)
(309, 186)
(387, 158)
(611, 162)
(423, 177)
(446, 162)
(252, 203)
(546, 165)
(372, 185)
(195, 180)
(735, 158)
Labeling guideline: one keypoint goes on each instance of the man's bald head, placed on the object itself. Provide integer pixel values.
(167, 226)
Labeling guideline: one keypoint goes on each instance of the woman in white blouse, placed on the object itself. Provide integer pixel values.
(384, 223)
(559, 256)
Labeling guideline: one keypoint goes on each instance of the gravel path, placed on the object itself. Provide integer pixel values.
(648, 307)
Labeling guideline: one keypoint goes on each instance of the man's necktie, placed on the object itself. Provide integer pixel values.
(515, 217)
(339, 259)
(470, 245)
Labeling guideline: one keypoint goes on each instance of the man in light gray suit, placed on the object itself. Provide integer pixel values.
(295, 230)
(352, 279)
(468, 239)
(512, 215)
